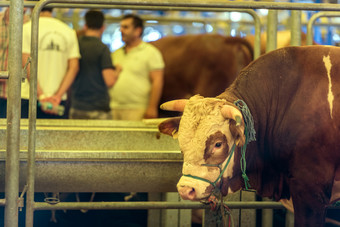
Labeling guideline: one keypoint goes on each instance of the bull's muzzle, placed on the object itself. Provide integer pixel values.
(186, 192)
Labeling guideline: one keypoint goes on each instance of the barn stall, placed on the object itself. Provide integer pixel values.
(26, 137)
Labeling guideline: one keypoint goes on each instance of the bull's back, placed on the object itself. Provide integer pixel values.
(201, 64)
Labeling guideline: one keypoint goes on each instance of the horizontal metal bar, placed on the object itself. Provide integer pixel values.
(3, 74)
(149, 125)
(150, 205)
(143, 7)
(214, 4)
(175, 4)
(93, 135)
(102, 156)
(329, 24)
(89, 124)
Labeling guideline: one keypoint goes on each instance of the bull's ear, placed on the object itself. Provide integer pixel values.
(231, 112)
(236, 124)
(170, 126)
(237, 131)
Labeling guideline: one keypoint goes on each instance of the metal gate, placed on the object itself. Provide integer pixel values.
(15, 74)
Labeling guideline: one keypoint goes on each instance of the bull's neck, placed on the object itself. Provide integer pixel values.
(268, 98)
(268, 90)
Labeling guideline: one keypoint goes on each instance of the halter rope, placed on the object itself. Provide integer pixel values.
(249, 133)
(221, 173)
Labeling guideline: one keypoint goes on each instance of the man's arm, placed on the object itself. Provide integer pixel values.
(72, 70)
(110, 76)
(156, 77)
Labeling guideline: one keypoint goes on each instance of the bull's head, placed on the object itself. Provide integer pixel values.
(207, 132)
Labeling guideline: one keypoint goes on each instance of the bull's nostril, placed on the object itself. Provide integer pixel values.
(187, 193)
(192, 194)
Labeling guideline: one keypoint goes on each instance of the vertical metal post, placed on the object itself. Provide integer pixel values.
(13, 113)
(267, 215)
(185, 217)
(75, 19)
(257, 41)
(271, 30)
(310, 30)
(257, 24)
(289, 219)
(154, 215)
(170, 218)
(295, 28)
(32, 114)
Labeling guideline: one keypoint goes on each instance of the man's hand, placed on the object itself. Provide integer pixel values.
(53, 101)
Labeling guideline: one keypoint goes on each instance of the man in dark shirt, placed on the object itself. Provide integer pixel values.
(89, 92)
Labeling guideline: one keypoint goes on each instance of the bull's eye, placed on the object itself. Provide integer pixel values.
(218, 144)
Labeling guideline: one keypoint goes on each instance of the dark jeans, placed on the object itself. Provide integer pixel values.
(3, 108)
(24, 110)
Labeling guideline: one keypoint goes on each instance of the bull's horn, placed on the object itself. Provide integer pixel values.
(174, 105)
(231, 112)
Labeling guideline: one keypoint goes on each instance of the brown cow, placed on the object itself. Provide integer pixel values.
(286, 105)
(201, 64)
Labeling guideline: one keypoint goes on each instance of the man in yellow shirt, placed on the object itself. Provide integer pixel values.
(138, 89)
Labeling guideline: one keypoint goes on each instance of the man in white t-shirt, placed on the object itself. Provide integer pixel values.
(58, 63)
(138, 89)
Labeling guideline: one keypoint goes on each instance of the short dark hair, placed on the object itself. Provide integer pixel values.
(94, 19)
(46, 8)
(136, 21)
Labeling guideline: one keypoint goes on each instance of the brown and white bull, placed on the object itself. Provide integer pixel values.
(201, 64)
(293, 97)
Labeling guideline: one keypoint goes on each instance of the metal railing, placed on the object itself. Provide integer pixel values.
(152, 205)
(13, 115)
(312, 21)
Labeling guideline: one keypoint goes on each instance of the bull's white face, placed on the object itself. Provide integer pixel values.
(210, 144)
(204, 137)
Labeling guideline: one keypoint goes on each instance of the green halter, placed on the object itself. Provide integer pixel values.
(221, 174)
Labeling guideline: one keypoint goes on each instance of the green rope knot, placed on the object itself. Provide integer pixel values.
(246, 181)
(245, 177)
